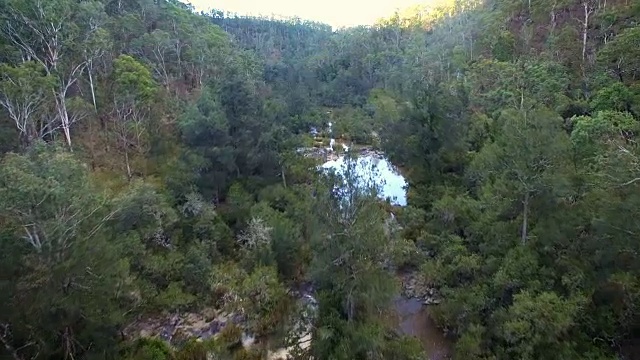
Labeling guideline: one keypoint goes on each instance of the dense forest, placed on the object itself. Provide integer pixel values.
(149, 169)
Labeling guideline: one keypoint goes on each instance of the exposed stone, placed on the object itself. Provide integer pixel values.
(413, 287)
(431, 301)
(280, 354)
(248, 340)
(177, 327)
(209, 323)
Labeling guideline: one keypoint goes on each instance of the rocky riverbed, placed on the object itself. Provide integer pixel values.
(412, 316)
(414, 288)
(175, 328)
(412, 319)
(411, 308)
(209, 323)
(327, 154)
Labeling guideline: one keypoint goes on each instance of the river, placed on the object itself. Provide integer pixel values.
(411, 315)
(412, 319)
(372, 169)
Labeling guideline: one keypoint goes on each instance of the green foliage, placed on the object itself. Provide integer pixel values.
(173, 297)
(286, 243)
(615, 97)
(193, 350)
(146, 212)
(69, 273)
(264, 299)
(528, 82)
(240, 202)
(244, 354)
(536, 324)
(523, 85)
(349, 250)
(231, 336)
(258, 295)
(621, 55)
(592, 136)
(149, 349)
(470, 345)
(25, 90)
(403, 348)
(196, 269)
(519, 143)
(132, 80)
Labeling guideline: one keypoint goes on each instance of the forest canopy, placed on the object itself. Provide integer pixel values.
(151, 169)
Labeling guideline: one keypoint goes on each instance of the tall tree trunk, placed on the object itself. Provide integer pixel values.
(525, 217)
(585, 34)
(585, 28)
(7, 345)
(63, 114)
(126, 160)
(284, 179)
(93, 91)
(61, 100)
(95, 108)
(553, 18)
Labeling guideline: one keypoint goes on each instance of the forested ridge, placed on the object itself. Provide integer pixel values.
(151, 168)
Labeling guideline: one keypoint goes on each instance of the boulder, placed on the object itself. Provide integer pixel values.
(432, 301)
(248, 340)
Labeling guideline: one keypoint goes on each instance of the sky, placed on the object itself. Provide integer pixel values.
(336, 13)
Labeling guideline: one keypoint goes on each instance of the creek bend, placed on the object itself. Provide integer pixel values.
(410, 313)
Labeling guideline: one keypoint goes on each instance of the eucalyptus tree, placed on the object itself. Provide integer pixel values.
(68, 291)
(47, 32)
(24, 95)
(133, 92)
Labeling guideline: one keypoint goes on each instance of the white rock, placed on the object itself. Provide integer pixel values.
(248, 340)
(280, 354)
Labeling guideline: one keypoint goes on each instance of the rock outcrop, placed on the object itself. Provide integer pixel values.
(209, 323)
(413, 287)
(175, 328)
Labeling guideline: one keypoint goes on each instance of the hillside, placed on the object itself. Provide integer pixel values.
(154, 203)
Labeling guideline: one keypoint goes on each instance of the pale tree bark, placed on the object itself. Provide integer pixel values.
(525, 217)
(284, 178)
(588, 11)
(53, 241)
(91, 85)
(198, 65)
(91, 54)
(6, 342)
(554, 22)
(95, 110)
(160, 47)
(130, 131)
(63, 115)
(602, 4)
(21, 112)
(42, 40)
(178, 46)
(200, 71)
(161, 66)
(23, 92)
(47, 34)
(61, 102)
